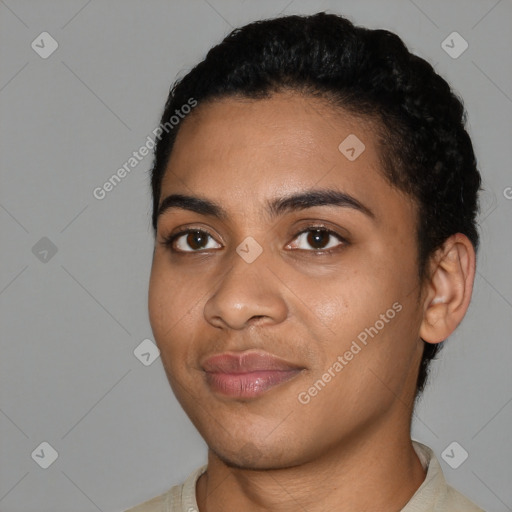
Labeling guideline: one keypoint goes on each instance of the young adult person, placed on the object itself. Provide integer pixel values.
(315, 240)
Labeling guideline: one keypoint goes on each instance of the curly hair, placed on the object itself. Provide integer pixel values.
(424, 147)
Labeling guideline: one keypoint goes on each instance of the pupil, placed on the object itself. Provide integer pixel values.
(318, 237)
(196, 239)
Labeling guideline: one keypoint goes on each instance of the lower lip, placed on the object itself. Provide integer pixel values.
(248, 385)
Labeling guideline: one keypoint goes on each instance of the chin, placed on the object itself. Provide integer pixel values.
(252, 458)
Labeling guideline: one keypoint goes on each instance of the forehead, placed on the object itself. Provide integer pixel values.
(283, 129)
(246, 151)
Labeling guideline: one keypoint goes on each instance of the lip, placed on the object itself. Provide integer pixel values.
(247, 374)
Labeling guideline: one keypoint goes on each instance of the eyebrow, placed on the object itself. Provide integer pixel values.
(275, 207)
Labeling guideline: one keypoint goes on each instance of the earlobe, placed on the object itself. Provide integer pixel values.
(449, 288)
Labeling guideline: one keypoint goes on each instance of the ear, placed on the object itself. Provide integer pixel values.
(449, 288)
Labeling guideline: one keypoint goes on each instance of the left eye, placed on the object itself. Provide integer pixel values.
(318, 238)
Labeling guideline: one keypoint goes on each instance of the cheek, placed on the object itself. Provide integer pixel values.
(171, 300)
(373, 323)
(175, 311)
(159, 302)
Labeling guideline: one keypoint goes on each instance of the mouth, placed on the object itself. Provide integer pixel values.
(247, 374)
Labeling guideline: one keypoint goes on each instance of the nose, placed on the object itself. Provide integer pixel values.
(247, 294)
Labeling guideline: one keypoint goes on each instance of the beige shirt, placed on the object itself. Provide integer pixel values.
(434, 494)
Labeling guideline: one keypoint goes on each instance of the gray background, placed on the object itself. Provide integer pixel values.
(71, 321)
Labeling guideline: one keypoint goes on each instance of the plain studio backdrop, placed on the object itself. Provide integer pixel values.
(82, 86)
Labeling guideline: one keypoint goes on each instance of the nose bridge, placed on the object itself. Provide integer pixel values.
(246, 290)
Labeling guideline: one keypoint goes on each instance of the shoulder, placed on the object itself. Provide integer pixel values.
(156, 504)
(456, 502)
(435, 494)
(176, 499)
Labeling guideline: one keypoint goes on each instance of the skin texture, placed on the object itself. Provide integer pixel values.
(350, 443)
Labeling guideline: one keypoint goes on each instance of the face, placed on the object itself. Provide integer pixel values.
(284, 286)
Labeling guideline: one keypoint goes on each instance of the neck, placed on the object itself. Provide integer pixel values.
(376, 471)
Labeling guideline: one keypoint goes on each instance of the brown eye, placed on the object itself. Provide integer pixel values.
(197, 239)
(191, 240)
(317, 239)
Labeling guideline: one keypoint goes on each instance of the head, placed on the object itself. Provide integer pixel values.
(268, 151)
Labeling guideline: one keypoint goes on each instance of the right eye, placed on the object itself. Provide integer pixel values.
(190, 240)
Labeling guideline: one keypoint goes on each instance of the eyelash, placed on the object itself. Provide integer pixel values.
(168, 241)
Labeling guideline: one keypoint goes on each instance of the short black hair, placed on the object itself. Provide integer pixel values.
(425, 149)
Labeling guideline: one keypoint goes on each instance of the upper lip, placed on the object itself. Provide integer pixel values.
(246, 362)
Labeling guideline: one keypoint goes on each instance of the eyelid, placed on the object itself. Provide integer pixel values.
(320, 227)
(169, 240)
